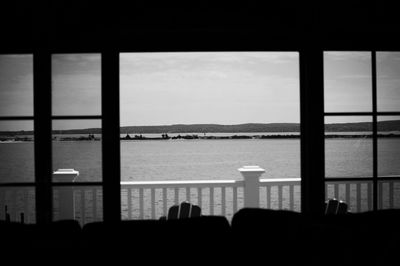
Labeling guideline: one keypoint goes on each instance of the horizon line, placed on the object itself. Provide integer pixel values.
(171, 125)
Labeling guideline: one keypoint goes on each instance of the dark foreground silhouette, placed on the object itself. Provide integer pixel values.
(272, 237)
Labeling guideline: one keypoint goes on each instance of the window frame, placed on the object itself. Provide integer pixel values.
(312, 134)
(374, 114)
(31, 118)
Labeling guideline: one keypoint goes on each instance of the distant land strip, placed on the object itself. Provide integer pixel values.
(197, 137)
(194, 136)
(383, 126)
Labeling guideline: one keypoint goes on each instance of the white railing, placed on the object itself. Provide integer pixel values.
(152, 199)
(359, 194)
(282, 193)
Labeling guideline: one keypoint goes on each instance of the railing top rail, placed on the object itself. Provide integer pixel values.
(184, 183)
(353, 181)
(280, 180)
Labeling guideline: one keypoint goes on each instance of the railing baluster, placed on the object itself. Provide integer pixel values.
(83, 207)
(15, 201)
(176, 195)
(336, 190)
(32, 209)
(269, 196)
(280, 192)
(380, 195)
(223, 201)
(358, 196)
(164, 191)
(94, 193)
(266, 196)
(347, 193)
(211, 201)
(199, 197)
(99, 197)
(10, 204)
(391, 194)
(2, 203)
(326, 190)
(153, 203)
(369, 196)
(141, 208)
(235, 199)
(129, 203)
(188, 194)
(26, 204)
(90, 218)
(291, 197)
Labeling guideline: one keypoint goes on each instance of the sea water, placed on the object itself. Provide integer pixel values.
(145, 160)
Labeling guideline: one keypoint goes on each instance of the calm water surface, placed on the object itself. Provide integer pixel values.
(202, 159)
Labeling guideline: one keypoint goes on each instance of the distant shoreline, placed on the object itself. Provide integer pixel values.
(249, 128)
(197, 137)
(236, 137)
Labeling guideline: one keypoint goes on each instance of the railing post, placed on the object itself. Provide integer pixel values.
(66, 193)
(251, 177)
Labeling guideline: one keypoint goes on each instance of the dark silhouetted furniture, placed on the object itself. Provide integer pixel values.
(334, 207)
(183, 210)
(156, 240)
(273, 237)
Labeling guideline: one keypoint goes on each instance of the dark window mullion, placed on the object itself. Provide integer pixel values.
(42, 135)
(111, 135)
(374, 132)
(312, 131)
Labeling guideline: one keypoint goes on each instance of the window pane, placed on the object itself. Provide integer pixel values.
(16, 151)
(201, 116)
(83, 203)
(16, 85)
(348, 146)
(389, 146)
(76, 84)
(77, 145)
(388, 81)
(18, 203)
(347, 81)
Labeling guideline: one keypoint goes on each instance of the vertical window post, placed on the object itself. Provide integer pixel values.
(312, 131)
(374, 133)
(42, 134)
(111, 139)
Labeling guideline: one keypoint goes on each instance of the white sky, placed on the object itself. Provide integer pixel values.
(191, 88)
(217, 88)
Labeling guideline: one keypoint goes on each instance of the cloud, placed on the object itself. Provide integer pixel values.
(347, 56)
(154, 62)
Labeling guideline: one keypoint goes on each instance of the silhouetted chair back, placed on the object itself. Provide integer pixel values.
(334, 207)
(184, 210)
